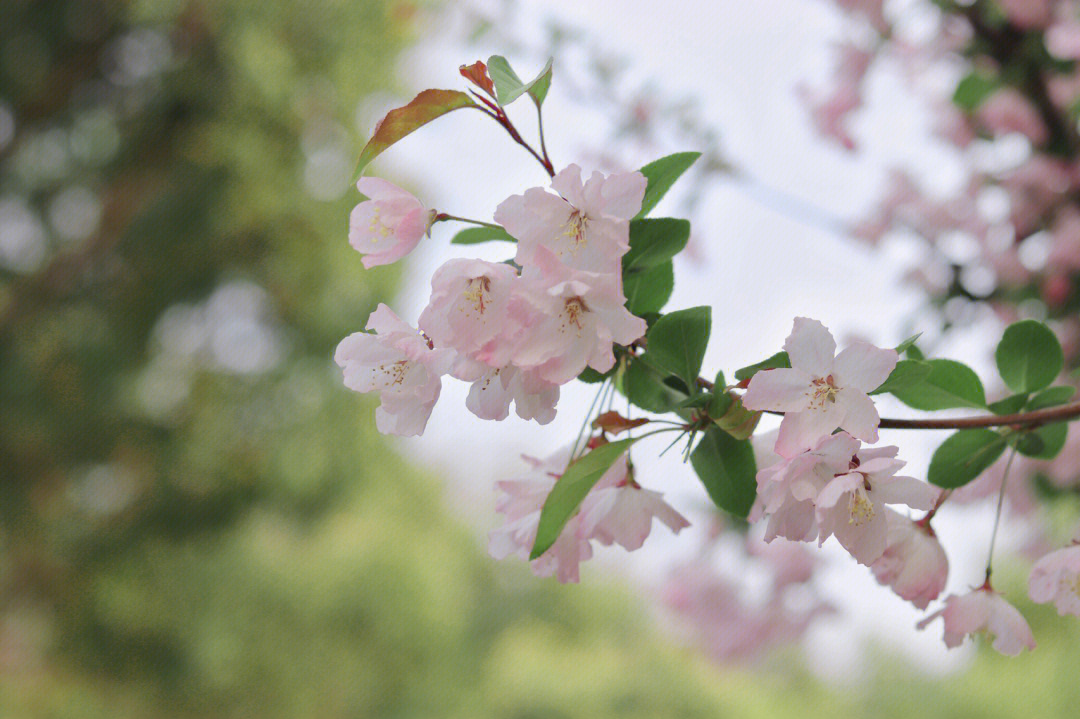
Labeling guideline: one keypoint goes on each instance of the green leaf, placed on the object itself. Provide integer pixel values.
(906, 374)
(697, 401)
(1051, 397)
(476, 235)
(949, 384)
(650, 290)
(1009, 405)
(644, 386)
(720, 403)
(509, 87)
(591, 376)
(963, 456)
(661, 175)
(677, 343)
(735, 418)
(726, 467)
(425, 107)
(570, 489)
(1047, 441)
(778, 360)
(1044, 442)
(654, 242)
(1029, 356)
(907, 344)
(973, 89)
(913, 352)
(538, 88)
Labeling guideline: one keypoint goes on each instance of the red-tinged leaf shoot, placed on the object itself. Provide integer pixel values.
(477, 74)
(425, 107)
(614, 423)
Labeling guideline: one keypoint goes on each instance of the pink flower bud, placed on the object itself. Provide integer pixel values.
(388, 225)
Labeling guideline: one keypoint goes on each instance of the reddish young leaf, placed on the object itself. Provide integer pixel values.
(425, 107)
(477, 74)
(614, 423)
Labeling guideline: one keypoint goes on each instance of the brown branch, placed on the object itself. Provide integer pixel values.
(1034, 418)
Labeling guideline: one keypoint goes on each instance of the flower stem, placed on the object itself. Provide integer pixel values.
(443, 217)
(997, 515)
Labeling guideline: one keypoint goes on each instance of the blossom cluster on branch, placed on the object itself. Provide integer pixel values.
(583, 297)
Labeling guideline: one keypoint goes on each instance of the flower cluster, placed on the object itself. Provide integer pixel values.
(516, 332)
(616, 511)
(825, 483)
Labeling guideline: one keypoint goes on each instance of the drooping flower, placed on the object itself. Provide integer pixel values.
(851, 507)
(388, 225)
(914, 563)
(983, 611)
(521, 504)
(571, 320)
(399, 364)
(820, 392)
(618, 510)
(1056, 578)
(469, 305)
(586, 226)
(494, 388)
(788, 489)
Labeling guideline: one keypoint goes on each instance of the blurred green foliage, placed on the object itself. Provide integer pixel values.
(196, 518)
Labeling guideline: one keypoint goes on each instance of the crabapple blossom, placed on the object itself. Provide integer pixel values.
(1056, 578)
(820, 392)
(1009, 111)
(522, 501)
(399, 364)
(616, 511)
(913, 564)
(983, 611)
(851, 506)
(469, 305)
(389, 224)
(620, 511)
(787, 489)
(494, 388)
(571, 318)
(586, 226)
(725, 624)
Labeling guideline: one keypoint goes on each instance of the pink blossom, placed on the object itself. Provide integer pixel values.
(1029, 14)
(586, 226)
(388, 225)
(789, 561)
(469, 305)
(914, 563)
(571, 320)
(622, 511)
(821, 392)
(723, 623)
(1065, 249)
(872, 10)
(523, 500)
(1056, 578)
(399, 364)
(787, 490)
(829, 110)
(983, 611)
(1063, 40)
(1009, 111)
(851, 506)
(494, 388)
